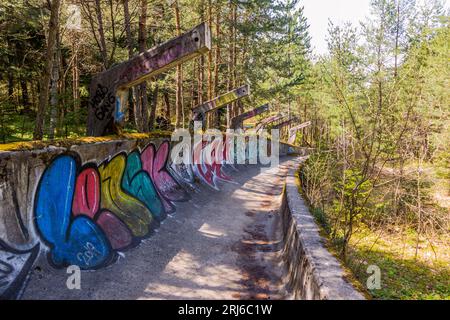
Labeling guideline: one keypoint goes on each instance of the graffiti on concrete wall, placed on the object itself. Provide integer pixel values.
(86, 213)
(155, 162)
(210, 172)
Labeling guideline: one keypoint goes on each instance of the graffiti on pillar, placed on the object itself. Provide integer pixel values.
(103, 102)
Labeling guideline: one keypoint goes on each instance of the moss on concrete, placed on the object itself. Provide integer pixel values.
(67, 143)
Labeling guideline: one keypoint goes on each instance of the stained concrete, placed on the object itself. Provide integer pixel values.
(220, 245)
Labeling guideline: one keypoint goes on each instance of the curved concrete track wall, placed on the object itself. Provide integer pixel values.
(313, 273)
(88, 204)
(81, 204)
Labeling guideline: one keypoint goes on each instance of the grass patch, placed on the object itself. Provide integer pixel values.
(403, 275)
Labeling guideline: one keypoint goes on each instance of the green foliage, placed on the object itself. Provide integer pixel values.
(322, 219)
(402, 277)
(352, 191)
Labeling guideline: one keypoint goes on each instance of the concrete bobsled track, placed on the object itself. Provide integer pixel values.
(140, 227)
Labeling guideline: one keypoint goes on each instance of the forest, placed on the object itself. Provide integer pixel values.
(378, 178)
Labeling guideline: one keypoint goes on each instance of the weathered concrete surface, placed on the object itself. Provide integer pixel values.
(313, 273)
(108, 90)
(222, 100)
(293, 131)
(284, 123)
(238, 121)
(198, 112)
(219, 245)
(20, 172)
(265, 122)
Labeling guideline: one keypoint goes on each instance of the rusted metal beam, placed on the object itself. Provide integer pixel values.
(199, 111)
(238, 121)
(293, 131)
(109, 89)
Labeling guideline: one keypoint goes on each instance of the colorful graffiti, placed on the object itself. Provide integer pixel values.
(85, 214)
(210, 171)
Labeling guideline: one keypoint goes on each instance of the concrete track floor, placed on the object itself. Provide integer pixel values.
(220, 245)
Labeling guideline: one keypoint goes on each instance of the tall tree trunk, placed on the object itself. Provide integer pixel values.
(234, 110)
(201, 77)
(131, 93)
(151, 124)
(10, 75)
(62, 103)
(194, 94)
(167, 105)
(10, 86)
(101, 34)
(179, 75)
(54, 91)
(210, 79)
(53, 27)
(209, 66)
(231, 67)
(76, 80)
(217, 57)
(397, 36)
(25, 96)
(217, 63)
(201, 66)
(142, 116)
